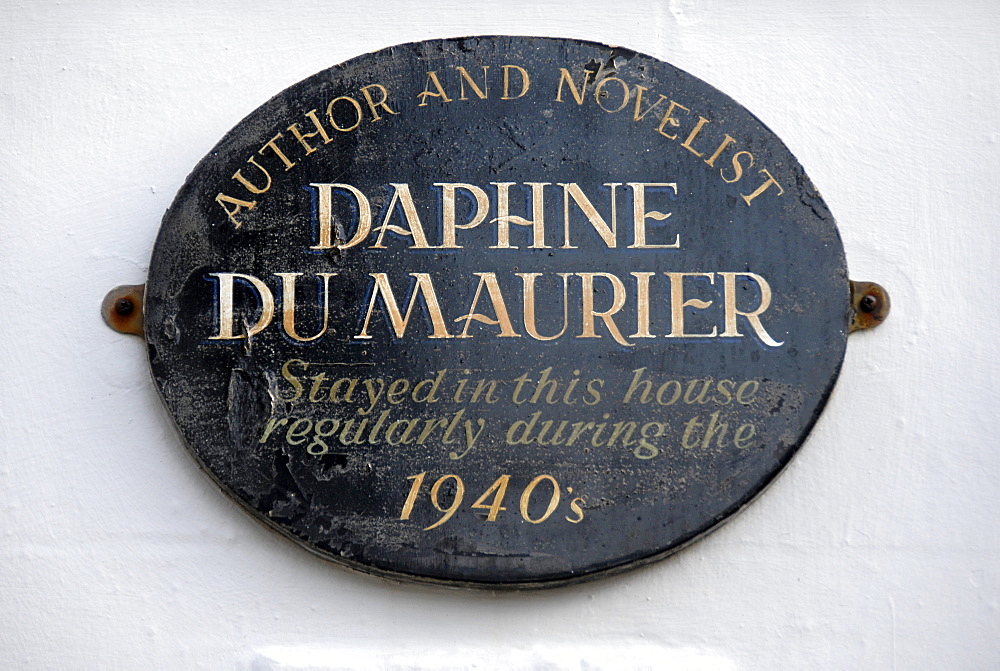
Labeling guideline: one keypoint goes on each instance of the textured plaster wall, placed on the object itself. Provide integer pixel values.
(878, 548)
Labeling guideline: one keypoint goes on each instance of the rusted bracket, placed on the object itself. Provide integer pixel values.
(122, 309)
(870, 303)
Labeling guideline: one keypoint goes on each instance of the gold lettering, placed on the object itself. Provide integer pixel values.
(579, 428)
(737, 167)
(578, 94)
(715, 428)
(296, 435)
(317, 385)
(763, 187)
(318, 445)
(238, 176)
(677, 305)
(359, 434)
(345, 396)
(272, 424)
(525, 82)
(702, 397)
(725, 387)
(405, 438)
(397, 391)
(668, 118)
(542, 384)
(411, 498)
(588, 307)
(634, 385)
(499, 309)
(225, 302)
(401, 194)
(642, 305)
(639, 114)
(302, 137)
(399, 322)
(689, 432)
(526, 499)
(694, 133)
(357, 112)
(432, 78)
(623, 430)
(373, 104)
(645, 449)
(431, 425)
(668, 385)
(465, 77)
(729, 291)
(640, 215)
(291, 379)
(608, 233)
(504, 218)
(431, 395)
(272, 145)
(448, 189)
(528, 282)
(574, 505)
(238, 206)
(721, 148)
(525, 427)
(485, 390)
(324, 215)
(373, 394)
(599, 89)
(556, 437)
(746, 399)
(288, 304)
(498, 489)
(569, 389)
(743, 436)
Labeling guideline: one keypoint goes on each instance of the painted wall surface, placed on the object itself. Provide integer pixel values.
(878, 548)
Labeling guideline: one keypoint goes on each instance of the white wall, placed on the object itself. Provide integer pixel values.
(878, 548)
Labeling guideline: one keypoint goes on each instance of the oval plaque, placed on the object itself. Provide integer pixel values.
(497, 311)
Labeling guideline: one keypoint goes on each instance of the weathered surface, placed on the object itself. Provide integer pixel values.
(637, 497)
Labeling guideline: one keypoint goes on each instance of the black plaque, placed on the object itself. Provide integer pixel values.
(497, 311)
